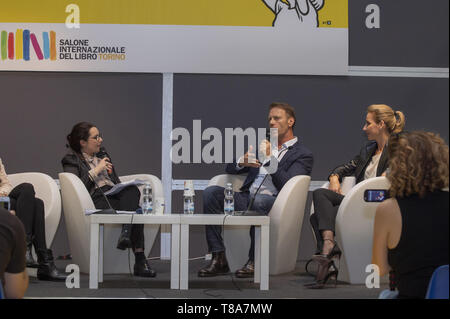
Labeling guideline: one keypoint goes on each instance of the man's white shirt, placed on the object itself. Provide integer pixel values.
(268, 187)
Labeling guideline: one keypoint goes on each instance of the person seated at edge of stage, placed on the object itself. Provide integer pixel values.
(95, 170)
(411, 227)
(13, 274)
(30, 211)
(371, 161)
(293, 159)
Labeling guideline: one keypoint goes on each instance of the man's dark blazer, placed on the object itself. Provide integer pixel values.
(75, 164)
(357, 166)
(297, 160)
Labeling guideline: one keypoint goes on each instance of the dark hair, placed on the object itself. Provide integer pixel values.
(79, 132)
(418, 163)
(287, 108)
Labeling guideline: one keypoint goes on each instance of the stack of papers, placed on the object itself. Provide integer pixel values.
(88, 212)
(118, 187)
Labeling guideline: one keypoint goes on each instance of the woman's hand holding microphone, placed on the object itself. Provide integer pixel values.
(104, 164)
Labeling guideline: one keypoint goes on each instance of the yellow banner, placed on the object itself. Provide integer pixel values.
(333, 13)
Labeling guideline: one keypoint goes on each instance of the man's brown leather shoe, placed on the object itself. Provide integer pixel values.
(247, 271)
(218, 266)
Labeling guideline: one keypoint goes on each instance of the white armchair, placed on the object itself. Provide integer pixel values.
(47, 190)
(76, 200)
(286, 218)
(354, 228)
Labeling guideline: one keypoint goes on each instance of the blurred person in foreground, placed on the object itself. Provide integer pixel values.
(411, 230)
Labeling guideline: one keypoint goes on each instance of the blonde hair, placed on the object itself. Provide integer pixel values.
(394, 120)
(418, 163)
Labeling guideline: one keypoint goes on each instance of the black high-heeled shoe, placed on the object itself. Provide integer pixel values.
(327, 270)
(334, 253)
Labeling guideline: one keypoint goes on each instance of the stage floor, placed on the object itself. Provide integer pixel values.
(288, 285)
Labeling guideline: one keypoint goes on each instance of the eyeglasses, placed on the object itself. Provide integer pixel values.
(97, 137)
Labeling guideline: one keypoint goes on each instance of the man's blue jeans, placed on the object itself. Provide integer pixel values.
(213, 198)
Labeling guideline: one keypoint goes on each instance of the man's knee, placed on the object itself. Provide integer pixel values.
(213, 200)
(210, 193)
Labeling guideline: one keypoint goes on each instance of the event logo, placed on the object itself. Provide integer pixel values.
(18, 46)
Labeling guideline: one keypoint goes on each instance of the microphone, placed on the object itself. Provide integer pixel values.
(248, 212)
(109, 210)
(102, 153)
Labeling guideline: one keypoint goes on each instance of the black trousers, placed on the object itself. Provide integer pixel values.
(127, 199)
(326, 205)
(30, 211)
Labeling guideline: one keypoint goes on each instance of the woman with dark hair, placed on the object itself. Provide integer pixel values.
(411, 228)
(381, 121)
(30, 211)
(95, 170)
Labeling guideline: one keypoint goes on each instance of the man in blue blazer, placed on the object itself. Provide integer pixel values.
(260, 188)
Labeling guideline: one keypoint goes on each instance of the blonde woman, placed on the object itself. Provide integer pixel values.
(411, 228)
(372, 161)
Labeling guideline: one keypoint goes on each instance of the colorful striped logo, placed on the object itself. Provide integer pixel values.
(18, 46)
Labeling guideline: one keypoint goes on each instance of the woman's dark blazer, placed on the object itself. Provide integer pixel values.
(357, 166)
(75, 164)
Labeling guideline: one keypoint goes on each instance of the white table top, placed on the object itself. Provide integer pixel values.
(194, 219)
(221, 219)
(136, 218)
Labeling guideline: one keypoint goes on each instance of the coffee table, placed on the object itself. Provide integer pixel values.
(98, 221)
(261, 224)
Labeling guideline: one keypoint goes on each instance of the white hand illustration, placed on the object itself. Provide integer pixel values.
(297, 12)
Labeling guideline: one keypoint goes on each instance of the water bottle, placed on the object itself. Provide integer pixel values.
(188, 197)
(188, 204)
(147, 203)
(228, 202)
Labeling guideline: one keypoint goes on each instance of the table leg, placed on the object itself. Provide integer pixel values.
(184, 257)
(100, 254)
(175, 258)
(257, 277)
(93, 261)
(265, 231)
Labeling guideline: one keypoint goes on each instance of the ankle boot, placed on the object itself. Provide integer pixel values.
(30, 262)
(124, 241)
(218, 266)
(47, 269)
(142, 269)
(247, 271)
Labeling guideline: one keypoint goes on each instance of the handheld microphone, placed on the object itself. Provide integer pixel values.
(102, 153)
(268, 134)
(109, 210)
